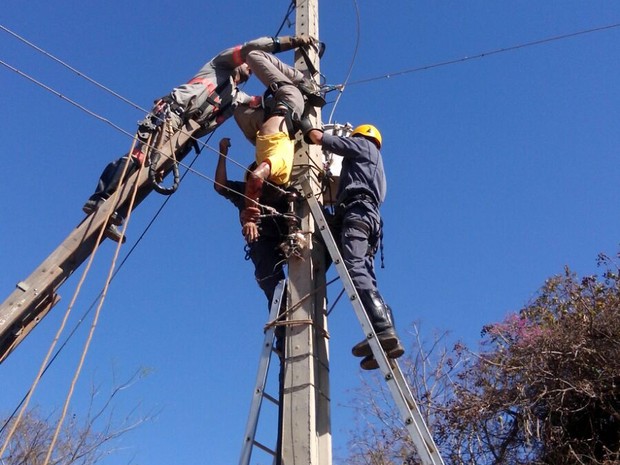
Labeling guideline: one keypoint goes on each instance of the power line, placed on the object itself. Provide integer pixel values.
(115, 126)
(484, 54)
(63, 97)
(286, 19)
(357, 44)
(76, 71)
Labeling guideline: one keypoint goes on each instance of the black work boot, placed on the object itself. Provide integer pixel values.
(92, 205)
(113, 233)
(380, 316)
(370, 363)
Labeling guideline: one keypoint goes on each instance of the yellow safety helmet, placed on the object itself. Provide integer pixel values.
(370, 132)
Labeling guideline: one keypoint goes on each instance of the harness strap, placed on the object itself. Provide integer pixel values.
(274, 86)
(309, 63)
(213, 98)
(173, 106)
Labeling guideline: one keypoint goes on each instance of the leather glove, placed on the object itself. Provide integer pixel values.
(305, 126)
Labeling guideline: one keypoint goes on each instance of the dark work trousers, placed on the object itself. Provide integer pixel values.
(270, 70)
(111, 177)
(357, 229)
(268, 264)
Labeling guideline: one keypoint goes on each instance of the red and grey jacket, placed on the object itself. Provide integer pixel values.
(211, 96)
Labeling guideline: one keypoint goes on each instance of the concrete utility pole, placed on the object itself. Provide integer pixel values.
(306, 428)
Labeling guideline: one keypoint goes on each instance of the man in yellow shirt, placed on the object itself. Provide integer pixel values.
(275, 144)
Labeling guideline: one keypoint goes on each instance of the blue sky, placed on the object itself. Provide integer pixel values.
(501, 171)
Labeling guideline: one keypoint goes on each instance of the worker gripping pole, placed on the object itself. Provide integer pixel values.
(306, 429)
(405, 402)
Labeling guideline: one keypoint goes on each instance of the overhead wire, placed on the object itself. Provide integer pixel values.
(341, 87)
(54, 342)
(115, 126)
(118, 128)
(63, 97)
(348, 76)
(289, 11)
(484, 54)
(200, 143)
(189, 168)
(76, 71)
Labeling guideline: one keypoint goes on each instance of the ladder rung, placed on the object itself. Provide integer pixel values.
(271, 398)
(259, 391)
(398, 386)
(264, 448)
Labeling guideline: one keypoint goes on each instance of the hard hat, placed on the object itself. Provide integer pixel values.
(368, 131)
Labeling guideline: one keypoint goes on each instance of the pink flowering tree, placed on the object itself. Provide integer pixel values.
(543, 389)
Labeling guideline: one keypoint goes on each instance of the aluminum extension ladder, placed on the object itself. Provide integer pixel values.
(249, 437)
(405, 402)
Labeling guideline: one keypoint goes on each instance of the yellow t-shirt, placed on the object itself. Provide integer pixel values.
(279, 149)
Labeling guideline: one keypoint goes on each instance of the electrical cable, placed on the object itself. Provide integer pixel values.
(357, 44)
(290, 10)
(115, 126)
(63, 97)
(92, 81)
(44, 364)
(79, 73)
(485, 54)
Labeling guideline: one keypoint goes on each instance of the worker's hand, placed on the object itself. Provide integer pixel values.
(302, 41)
(250, 232)
(250, 215)
(256, 102)
(224, 145)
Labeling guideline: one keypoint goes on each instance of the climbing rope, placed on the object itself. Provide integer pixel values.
(44, 364)
(99, 307)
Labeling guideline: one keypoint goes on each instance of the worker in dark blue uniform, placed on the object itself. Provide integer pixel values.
(357, 226)
(265, 249)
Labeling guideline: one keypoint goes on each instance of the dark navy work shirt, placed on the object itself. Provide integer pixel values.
(362, 167)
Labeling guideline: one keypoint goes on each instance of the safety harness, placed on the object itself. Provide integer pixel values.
(153, 125)
(214, 99)
(273, 108)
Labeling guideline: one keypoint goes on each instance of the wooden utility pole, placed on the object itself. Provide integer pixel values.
(35, 296)
(306, 428)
